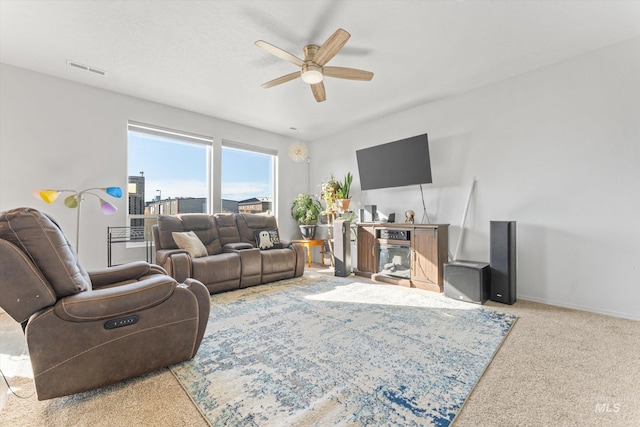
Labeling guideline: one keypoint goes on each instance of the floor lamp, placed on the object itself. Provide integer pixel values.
(74, 201)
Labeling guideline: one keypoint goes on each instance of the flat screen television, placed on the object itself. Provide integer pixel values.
(395, 164)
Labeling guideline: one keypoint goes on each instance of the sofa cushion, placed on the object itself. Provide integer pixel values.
(202, 225)
(278, 260)
(248, 224)
(219, 268)
(190, 242)
(268, 239)
(228, 229)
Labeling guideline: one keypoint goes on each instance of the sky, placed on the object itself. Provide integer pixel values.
(180, 169)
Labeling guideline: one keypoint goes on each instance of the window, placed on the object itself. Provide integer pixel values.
(248, 178)
(169, 172)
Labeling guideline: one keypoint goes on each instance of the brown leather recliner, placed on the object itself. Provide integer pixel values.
(85, 330)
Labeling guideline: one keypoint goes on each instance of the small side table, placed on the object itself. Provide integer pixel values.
(309, 244)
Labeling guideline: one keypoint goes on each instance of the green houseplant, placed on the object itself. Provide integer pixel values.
(329, 190)
(343, 195)
(306, 210)
(337, 194)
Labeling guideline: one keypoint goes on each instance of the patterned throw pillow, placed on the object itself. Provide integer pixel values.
(191, 243)
(268, 239)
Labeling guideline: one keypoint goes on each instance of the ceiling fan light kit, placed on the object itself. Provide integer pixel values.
(312, 69)
(311, 73)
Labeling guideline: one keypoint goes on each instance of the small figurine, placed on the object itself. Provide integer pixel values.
(409, 217)
(265, 240)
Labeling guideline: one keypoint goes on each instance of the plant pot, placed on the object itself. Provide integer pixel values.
(308, 231)
(343, 205)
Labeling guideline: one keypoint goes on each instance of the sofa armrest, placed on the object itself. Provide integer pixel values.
(285, 243)
(163, 255)
(235, 247)
(300, 258)
(115, 301)
(179, 266)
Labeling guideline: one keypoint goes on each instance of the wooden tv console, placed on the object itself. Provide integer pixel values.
(427, 246)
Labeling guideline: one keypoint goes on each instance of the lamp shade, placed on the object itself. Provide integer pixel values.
(35, 192)
(71, 202)
(114, 192)
(49, 196)
(107, 208)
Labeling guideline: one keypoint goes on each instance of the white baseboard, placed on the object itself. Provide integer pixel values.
(623, 315)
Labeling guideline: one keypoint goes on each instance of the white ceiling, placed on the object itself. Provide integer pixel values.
(200, 55)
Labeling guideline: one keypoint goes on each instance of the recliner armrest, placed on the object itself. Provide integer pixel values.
(115, 301)
(120, 273)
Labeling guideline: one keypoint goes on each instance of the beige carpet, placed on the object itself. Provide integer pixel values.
(557, 367)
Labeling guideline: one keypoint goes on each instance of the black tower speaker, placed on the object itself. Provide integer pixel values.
(502, 257)
(467, 281)
(342, 247)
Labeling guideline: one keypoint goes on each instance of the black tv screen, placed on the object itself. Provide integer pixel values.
(395, 164)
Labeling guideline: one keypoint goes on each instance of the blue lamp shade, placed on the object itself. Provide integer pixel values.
(114, 192)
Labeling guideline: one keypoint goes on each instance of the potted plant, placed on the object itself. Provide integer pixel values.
(306, 211)
(329, 191)
(343, 196)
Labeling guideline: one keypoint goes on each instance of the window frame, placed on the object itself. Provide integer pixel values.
(178, 136)
(259, 150)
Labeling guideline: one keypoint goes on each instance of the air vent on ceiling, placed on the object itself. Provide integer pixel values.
(79, 66)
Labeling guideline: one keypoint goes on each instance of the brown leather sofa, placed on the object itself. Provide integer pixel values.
(85, 330)
(232, 258)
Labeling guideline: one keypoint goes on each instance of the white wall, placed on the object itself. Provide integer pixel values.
(557, 150)
(56, 133)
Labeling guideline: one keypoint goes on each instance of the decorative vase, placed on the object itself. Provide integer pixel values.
(343, 205)
(308, 231)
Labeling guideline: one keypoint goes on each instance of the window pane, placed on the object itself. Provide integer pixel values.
(166, 175)
(247, 181)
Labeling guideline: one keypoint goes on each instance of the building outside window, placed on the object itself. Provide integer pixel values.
(169, 173)
(248, 178)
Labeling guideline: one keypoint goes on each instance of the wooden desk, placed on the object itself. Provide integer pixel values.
(309, 244)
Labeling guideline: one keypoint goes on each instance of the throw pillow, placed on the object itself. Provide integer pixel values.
(268, 239)
(191, 243)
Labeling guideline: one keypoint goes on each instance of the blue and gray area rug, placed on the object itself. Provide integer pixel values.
(325, 351)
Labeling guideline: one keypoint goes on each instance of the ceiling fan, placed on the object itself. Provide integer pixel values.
(313, 68)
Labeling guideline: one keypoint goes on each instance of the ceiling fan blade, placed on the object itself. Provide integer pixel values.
(318, 92)
(281, 79)
(283, 54)
(347, 73)
(331, 47)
